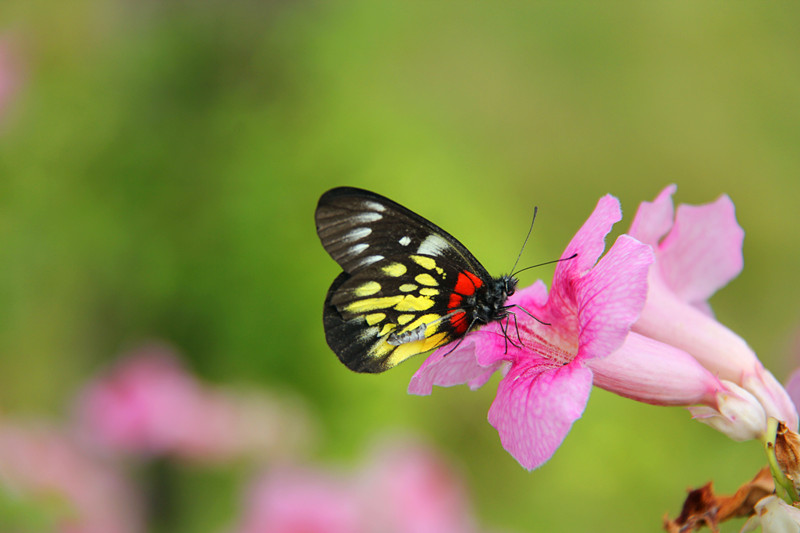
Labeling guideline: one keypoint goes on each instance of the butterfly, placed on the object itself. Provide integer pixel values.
(407, 285)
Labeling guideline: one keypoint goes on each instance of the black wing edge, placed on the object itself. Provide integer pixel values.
(345, 336)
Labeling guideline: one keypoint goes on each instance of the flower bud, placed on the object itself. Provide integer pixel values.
(774, 515)
(738, 415)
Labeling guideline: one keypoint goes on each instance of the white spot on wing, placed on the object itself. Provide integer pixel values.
(369, 334)
(405, 241)
(433, 245)
(356, 234)
(369, 260)
(369, 216)
(374, 206)
(357, 248)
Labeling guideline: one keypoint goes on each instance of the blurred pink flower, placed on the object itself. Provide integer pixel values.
(294, 500)
(586, 316)
(84, 493)
(425, 495)
(402, 489)
(148, 403)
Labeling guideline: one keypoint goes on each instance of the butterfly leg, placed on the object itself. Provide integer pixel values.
(504, 329)
(516, 327)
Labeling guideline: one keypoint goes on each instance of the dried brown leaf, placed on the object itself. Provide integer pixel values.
(703, 508)
(787, 452)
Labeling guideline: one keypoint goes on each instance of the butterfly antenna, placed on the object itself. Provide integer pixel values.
(573, 256)
(535, 210)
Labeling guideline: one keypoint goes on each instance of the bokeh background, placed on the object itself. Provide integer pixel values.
(160, 162)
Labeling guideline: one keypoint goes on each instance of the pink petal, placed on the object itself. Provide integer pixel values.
(668, 319)
(611, 297)
(447, 367)
(533, 297)
(535, 407)
(773, 397)
(653, 219)
(703, 252)
(588, 242)
(649, 371)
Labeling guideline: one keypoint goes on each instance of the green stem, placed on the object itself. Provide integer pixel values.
(783, 486)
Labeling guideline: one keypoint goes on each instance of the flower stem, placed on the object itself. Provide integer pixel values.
(783, 486)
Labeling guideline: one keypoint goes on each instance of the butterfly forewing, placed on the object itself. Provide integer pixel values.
(359, 228)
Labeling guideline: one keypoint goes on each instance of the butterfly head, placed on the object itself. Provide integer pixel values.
(509, 285)
(492, 304)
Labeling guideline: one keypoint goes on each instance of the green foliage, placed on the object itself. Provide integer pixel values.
(160, 166)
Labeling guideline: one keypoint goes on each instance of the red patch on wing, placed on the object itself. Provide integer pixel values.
(459, 322)
(455, 301)
(467, 283)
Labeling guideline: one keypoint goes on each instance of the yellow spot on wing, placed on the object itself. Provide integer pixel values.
(404, 319)
(408, 287)
(380, 348)
(413, 303)
(371, 304)
(395, 270)
(427, 291)
(367, 289)
(375, 318)
(404, 351)
(387, 328)
(425, 262)
(428, 263)
(426, 279)
(424, 319)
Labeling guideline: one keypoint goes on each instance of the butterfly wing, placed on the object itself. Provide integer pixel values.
(359, 228)
(394, 298)
(374, 320)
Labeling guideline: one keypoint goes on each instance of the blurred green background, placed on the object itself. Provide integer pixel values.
(161, 161)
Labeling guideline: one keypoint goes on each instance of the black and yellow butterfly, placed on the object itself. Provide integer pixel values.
(408, 286)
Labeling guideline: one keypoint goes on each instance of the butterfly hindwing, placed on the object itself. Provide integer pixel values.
(383, 314)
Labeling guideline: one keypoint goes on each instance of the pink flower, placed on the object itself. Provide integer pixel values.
(697, 253)
(586, 316)
(82, 492)
(674, 353)
(401, 489)
(150, 404)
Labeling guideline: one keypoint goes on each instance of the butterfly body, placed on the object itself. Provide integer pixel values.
(407, 286)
